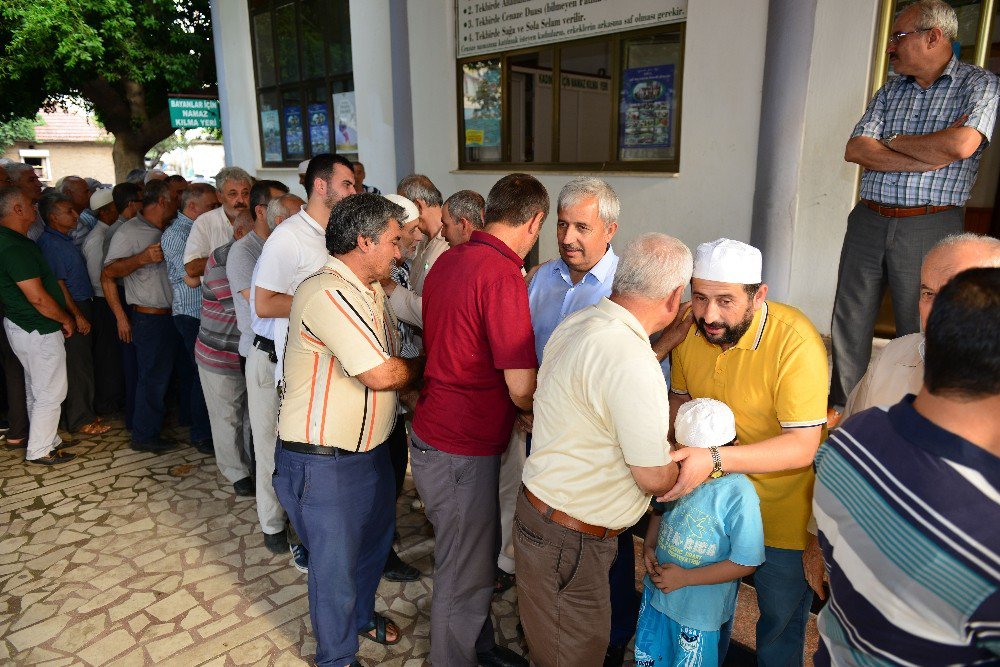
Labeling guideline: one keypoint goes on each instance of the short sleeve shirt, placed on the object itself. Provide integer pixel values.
(211, 230)
(67, 263)
(476, 324)
(186, 299)
(217, 346)
(294, 251)
(148, 285)
(601, 406)
(339, 328)
(21, 259)
(239, 269)
(775, 377)
(902, 106)
(718, 521)
(93, 254)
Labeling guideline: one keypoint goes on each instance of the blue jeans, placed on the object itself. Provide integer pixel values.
(156, 345)
(784, 599)
(343, 509)
(192, 399)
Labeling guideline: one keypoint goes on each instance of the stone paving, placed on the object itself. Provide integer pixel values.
(130, 558)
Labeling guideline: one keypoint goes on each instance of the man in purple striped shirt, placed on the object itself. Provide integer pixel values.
(217, 354)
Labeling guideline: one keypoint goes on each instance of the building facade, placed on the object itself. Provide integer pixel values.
(709, 118)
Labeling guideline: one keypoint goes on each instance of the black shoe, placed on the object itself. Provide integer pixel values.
(500, 656)
(154, 446)
(53, 458)
(277, 543)
(615, 656)
(205, 447)
(396, 570)
(244, 487)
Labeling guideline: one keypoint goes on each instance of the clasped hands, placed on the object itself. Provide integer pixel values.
(665, 576)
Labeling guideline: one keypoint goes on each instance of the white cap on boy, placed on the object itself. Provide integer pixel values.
(704, 422)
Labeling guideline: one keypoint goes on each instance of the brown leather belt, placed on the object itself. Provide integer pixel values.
(566, 521)
(904, 211)
(146, 310)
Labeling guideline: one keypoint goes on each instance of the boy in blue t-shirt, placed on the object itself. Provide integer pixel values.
(697, 549)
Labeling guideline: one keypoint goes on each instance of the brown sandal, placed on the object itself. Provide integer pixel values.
(94, 428)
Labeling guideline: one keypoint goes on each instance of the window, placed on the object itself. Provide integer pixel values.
(305, 83)
(39, 160)
(606, 103)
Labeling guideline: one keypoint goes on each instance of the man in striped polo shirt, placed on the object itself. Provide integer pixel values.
(342, 371)
(907, 507)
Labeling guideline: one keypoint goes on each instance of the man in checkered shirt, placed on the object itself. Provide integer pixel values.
(919, 141)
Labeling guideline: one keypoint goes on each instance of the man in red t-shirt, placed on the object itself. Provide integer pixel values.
(480, 371)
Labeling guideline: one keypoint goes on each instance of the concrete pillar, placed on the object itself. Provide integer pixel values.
(237, 90)
(380, 53)
(790, 26)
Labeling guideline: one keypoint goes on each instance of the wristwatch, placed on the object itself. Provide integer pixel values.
(888, 140)
(717, 470)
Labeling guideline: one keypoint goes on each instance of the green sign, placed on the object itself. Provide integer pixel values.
(187, 112)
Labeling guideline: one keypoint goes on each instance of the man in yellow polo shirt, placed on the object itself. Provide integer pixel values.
(767, 362)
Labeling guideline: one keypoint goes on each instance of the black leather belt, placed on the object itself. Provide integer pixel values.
(266, 345)
(306, 448)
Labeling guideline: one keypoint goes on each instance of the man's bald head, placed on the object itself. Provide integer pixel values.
(952, 255)
(77, 190)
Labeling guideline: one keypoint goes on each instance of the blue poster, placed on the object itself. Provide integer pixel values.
(270, 126)
(319, 128)
(647, 107)
(294, 146)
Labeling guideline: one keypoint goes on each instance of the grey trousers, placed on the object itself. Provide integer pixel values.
(225, 398)
(262, 399)
(460, 497)
(879, 251)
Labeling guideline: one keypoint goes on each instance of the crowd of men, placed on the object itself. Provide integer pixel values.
(320, 347)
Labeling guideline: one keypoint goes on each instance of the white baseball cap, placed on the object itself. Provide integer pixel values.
(303, 166)
(101, 198)
(412, 212)
(704, 422)
(728, 261)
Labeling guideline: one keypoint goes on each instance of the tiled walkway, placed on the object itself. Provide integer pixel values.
(129, 558)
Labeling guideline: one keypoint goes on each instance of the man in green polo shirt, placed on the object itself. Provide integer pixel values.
(36, 322)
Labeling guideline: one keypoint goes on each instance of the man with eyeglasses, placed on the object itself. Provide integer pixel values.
(920, 141)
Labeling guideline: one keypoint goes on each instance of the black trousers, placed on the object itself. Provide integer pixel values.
(109, 393)
(78, 406)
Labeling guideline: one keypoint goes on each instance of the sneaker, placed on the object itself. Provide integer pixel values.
(300, 557)
(244, 487)
(276, 543)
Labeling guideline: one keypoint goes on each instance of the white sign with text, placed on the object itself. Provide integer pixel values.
(489, 26)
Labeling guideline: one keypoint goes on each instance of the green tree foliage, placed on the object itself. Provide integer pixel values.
(123, 57)
(17, 129)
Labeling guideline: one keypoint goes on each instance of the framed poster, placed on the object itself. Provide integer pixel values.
(270, 126)
(647, 113)
(319, 128)
(345, 117)
(294, 141)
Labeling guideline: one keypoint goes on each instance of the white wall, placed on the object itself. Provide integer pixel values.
(713, 193)
(838, 92)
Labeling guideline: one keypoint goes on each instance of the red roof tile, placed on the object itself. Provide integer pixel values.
(69, 126)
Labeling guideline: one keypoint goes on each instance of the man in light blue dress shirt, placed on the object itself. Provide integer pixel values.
(588, 211)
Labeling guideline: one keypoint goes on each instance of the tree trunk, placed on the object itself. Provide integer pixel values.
(127, 156)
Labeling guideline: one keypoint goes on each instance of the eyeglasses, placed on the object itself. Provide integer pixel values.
(896, 36)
